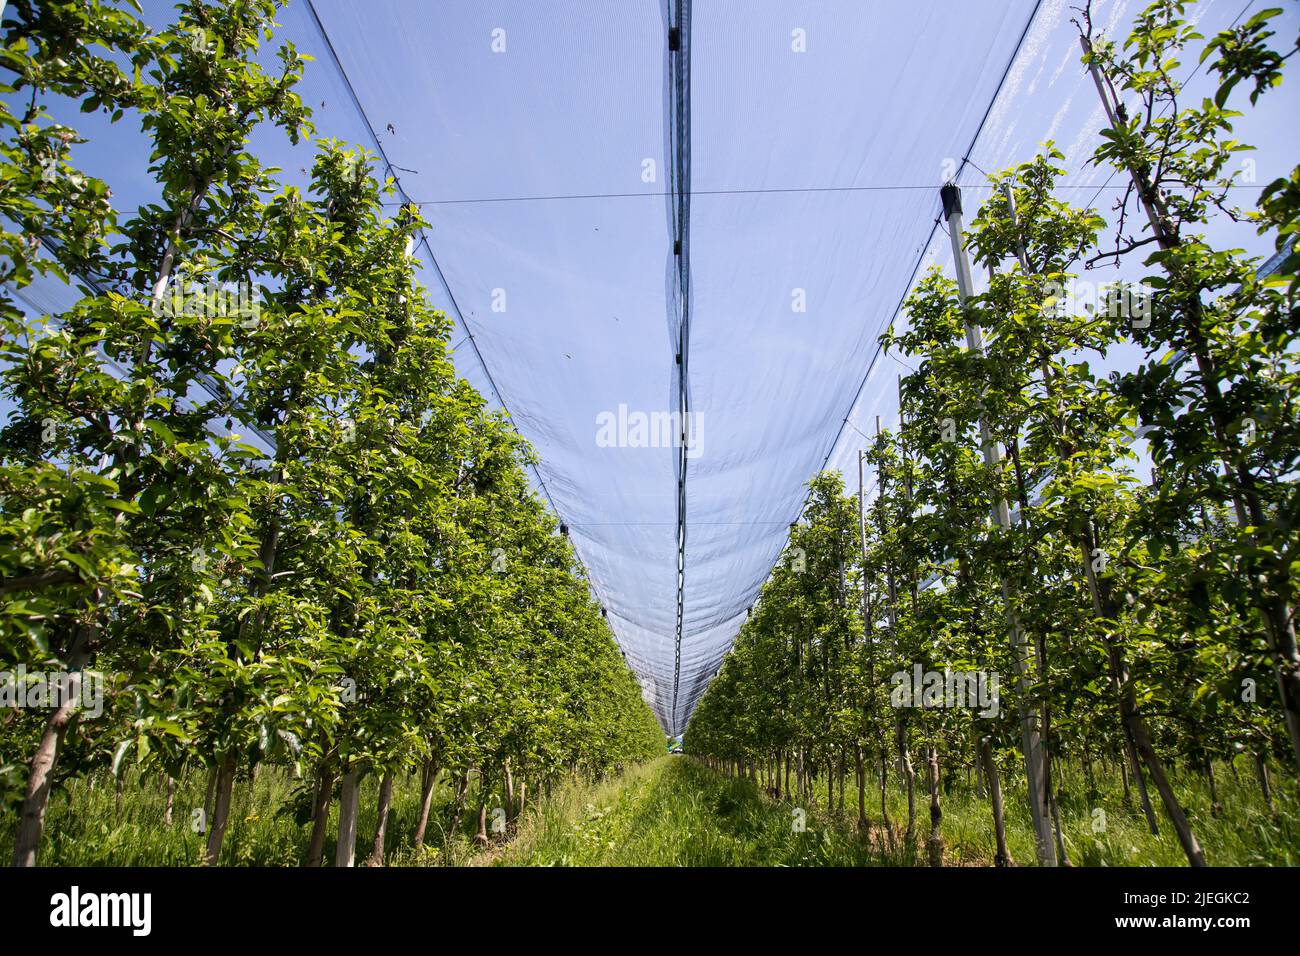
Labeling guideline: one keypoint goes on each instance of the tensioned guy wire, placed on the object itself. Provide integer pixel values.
(734, 191)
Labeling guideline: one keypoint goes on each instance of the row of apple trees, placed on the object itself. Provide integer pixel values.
(1136, 623)
(375, 590)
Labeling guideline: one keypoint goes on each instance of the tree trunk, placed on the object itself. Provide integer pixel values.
(458, 805)
(839, 768)
(887, 823)
(426, 800)
(935, 844)
(349, 800)
(1139, 778)
(171, 798)
(509, 779)
(1003, 857)
(320, 815)
(909, 779)
(36, 798)
(1061, 855)
(863, 823)
(223, 791)
(1215, 806)
(1261, 769)
(1172, 807)
(381, 817)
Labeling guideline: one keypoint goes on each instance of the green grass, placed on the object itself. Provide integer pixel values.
(677, 812)
(86, 826)
(1240, 831)
(673, 811)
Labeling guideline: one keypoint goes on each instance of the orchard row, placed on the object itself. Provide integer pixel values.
(1012, 530)
(286, 535)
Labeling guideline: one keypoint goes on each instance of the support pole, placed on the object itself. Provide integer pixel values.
(1031, 744)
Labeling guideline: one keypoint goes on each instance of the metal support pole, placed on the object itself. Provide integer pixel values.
(1031, 744)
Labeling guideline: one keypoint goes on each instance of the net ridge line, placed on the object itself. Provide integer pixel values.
(679, 110)
(433, 259)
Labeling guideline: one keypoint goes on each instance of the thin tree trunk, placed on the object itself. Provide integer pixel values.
(935, 844)
(1261, 769)
(1140, 780)
(36, 798)
(349, 799)
(509, 779)
(887, 823)
(863, 823)
(381, 817)
(320, 815)
(1061, 855)
(1003, 857)
(224, 790)
(1172, 807)
(840, 771)
(426, 800)
(909, 779)
(458, 807)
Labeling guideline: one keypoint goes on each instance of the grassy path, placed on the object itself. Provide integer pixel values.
(670, 812)
(677, 812)
(673, 812)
